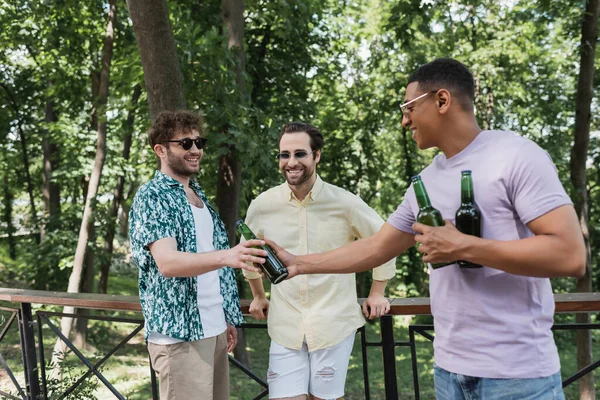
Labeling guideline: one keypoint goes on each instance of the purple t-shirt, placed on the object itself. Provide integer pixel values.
(490, 323)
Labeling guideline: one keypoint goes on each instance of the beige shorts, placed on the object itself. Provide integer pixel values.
(192, 370)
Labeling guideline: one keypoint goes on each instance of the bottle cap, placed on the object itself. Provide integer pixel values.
(415, 178)
(241, 221)
(466, 171)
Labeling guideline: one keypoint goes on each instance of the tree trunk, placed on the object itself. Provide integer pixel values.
(50, 190)
(80, 326)
(162, 74)
(87, 222)
(579, 156)
(124, 212)
(8, 202)
(230, 166)
(117, 196)
(24, 155)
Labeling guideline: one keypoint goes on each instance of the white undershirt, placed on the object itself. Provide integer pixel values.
(210, 300)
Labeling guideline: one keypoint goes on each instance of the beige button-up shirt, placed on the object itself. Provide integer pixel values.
(322, 308)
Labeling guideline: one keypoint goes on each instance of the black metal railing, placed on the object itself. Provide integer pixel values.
(36, 382)
(14, 313)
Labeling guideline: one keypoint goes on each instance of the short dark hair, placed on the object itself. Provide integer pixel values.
(316, 139)
(446, 73)
(168, 123)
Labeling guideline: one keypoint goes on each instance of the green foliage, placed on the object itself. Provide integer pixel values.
(342, 66)
(71, 372)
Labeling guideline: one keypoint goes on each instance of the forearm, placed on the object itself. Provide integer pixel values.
(178, 264)
(256, 286)
(360, 255)
(545, 256)
(378, 288)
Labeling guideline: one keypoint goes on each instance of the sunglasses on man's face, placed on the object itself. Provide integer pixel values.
(298, 155)
(186, 143)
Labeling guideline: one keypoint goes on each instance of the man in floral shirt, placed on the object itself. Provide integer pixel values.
(187, 285)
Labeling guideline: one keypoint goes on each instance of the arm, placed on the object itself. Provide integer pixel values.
(376, 304)
(360, 255)
(173, 263)
(259, 308)
(557, 249)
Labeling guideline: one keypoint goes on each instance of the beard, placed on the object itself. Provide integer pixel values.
(182, 167)
(300, 178)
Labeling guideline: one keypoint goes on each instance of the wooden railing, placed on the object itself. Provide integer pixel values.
(565, 303)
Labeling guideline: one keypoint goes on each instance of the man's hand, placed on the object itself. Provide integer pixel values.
(375, 306)
(440, 244)
(231, 338)
(259, 308)
(240, 255)
(288, 259)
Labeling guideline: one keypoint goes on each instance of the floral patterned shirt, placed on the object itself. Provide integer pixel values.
(160, 210)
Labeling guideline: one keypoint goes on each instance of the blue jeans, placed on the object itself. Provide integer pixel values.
(450, 386)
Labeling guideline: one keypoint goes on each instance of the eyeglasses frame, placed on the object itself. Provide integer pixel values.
(278, 156)
(205, 140)
(406, 112)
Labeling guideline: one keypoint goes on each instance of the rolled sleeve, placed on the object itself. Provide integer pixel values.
(251, 217)
(365, 223)
(386, 271)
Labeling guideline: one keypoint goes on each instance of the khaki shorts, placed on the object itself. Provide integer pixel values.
(192, 370)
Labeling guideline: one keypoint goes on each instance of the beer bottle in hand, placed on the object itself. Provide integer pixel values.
(468, 216)
(273, 268)
(427, 215)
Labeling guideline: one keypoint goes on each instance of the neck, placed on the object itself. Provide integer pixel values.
(185, 180)
(458, 135)
(302, 190)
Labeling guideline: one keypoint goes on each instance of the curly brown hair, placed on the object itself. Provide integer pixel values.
(168, 123)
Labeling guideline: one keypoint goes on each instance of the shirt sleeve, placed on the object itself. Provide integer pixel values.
(251, 221)
(404, 218)
(152, 217)
(365, 222)
(533, 185)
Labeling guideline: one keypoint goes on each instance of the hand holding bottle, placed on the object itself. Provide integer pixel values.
(287, 258)
(272, 267)
(249, 251)
(441, 244)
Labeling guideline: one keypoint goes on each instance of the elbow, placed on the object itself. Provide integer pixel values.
(164, 269)
(576, 263)
(579, 264)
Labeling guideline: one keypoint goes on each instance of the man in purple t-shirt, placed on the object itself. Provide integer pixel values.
(492, 324)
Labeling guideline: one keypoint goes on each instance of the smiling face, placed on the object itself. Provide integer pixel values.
(178, 162)
(302, 171)
(421, 117)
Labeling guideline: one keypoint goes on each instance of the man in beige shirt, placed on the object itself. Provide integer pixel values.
(312, 319)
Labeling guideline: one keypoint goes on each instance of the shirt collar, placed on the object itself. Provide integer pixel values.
(312, 195)
(165, 180)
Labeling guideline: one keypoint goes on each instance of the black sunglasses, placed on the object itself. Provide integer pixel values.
(186, 143)
(298, 155)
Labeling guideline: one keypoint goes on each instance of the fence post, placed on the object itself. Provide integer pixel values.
(388, 347)
(29, 356)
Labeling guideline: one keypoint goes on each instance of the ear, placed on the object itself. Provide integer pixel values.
(443, 100)
(160, 150)
(318, 156)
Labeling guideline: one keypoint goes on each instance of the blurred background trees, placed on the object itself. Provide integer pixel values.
(249, 66)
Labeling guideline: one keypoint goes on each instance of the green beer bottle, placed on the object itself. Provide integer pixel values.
(427, 215)
(273, 268)
(468, 216)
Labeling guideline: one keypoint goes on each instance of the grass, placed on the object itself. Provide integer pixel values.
(128, 369)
